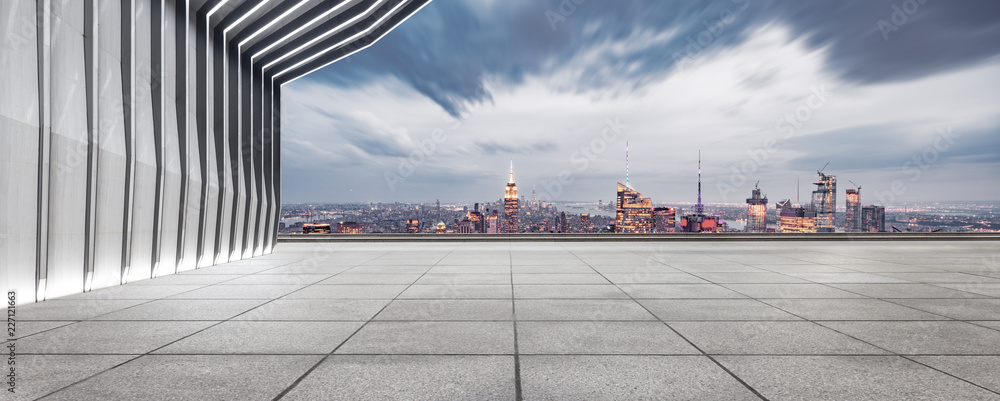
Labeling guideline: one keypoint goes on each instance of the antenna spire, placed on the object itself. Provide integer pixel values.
(626, 166)
(511, 172)
(700, 209)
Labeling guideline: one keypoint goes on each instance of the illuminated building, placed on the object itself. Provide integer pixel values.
(585, 226)
(413, 226)
(787, 203)
(797, 219)
(315, 228)
(852, 215)
(511, 205)
(873, 219)
(665, 219)
(563, 223)
(634, 213)
(466, 227)
(349, 227)
(756, 212)
(441, 228)
(699, 222)
(824, 202)
(493, 223)
(478, 220)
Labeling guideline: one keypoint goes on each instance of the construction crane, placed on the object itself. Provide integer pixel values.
(856, 185)
(824, 168)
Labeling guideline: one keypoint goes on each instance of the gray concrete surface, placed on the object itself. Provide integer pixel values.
(535, 320)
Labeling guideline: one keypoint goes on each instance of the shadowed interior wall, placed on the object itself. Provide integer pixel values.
(140, 138)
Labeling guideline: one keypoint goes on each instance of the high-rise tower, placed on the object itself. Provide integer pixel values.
(756, 212)
(824, 202)
(698, 222)
(852, 215)
(511, 205)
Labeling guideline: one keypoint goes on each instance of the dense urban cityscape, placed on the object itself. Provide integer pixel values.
(631, 213)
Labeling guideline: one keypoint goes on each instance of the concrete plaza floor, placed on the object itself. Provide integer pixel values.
(535, 320)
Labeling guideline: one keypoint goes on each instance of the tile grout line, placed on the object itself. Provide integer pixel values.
(518, 392)
(309, 371)
(692, 344)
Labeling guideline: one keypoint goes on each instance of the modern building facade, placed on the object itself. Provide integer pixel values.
(756, 212)
(350, 227)
(852, 214)
(585, 225)
(634, 213)
(140, 138)
(665, 219)
(873, 219)
(824, 202)
(413, 226)
(511, 205)
(797, 219)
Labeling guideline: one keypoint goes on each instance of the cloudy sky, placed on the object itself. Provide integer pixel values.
(900, 97)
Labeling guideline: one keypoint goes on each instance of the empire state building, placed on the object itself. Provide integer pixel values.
(511, 205)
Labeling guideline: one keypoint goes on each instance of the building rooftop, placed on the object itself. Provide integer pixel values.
(535, 320)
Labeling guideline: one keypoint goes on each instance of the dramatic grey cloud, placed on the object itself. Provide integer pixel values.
(439, 107)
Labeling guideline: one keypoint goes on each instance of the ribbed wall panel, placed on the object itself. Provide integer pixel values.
(140, 138)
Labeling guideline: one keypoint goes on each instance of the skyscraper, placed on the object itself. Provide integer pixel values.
(852, 215)
(585, 226)
(797, 219)
(478, 220)
(665, 219)
(756, 212)
(511, 205)
(699, 222)
(634, 214)
(563, 223)
(413, 226)
(824, 202)
(873, 219)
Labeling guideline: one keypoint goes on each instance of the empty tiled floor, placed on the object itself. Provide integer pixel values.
(535, 320)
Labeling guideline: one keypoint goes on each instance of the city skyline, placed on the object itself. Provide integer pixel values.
(775, 96)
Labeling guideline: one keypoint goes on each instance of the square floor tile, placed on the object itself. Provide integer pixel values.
(447, 309)
(713, 309)
(347, 278)
(457, 291)
(791, 291)
(38, 375)
(600, 338)
(441, 338)
(850, 309)
(908, 290)
(580, 309)
(654, 278)
(938, 338)
(569, 278)
(316, 309)
(72, 309)
(678, 291)
(848, 378)
(108, 337)
(770, 338)
(235, 337)
(184, 309)
(348, 291)
(568, 291)
(254, 291)
(386, 377)
(626, 377)
(981, 370)
(962, 309)
(464, 279)
(204, 377)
